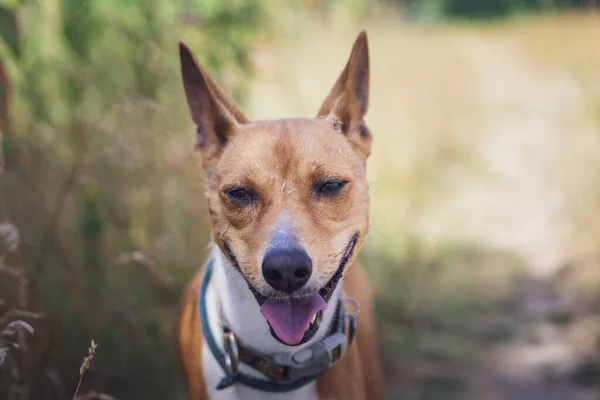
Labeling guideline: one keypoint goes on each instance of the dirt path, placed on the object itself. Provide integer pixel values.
(551, 353)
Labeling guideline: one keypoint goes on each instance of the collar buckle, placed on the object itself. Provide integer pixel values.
(315, 359)
(231, 353)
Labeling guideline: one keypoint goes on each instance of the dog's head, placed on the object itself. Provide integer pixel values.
(288, 199)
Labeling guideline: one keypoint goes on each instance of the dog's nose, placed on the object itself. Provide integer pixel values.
(287, 270)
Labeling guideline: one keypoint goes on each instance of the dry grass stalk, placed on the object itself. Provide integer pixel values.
(3, 354)
(158, 277)
(9, 337)
(21, 281)
(87, 362)
(15, 314)
(12, 328)
(9, 236)
(13, 347)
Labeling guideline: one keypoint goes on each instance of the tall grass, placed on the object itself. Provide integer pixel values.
(97, 146)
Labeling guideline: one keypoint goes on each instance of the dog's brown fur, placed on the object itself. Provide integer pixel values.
(280, 162)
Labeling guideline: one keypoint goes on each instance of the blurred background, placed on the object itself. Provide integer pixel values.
(485, 179)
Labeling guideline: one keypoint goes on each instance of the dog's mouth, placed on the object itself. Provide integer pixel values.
(295, 320)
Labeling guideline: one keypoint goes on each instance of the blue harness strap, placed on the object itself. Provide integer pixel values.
(231, 379)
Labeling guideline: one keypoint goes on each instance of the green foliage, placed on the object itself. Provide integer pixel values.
(100, 142)
(8, 29)
(477, 9)
(502, 8)
(79, 26)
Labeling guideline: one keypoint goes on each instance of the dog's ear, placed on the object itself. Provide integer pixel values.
(348, 101)
(215, 114)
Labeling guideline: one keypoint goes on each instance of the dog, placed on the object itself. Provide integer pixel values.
(273, 313)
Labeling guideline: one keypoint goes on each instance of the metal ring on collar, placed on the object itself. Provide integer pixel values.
(231, 352)
(355, 305)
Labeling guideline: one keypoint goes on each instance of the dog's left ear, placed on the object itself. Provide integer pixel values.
(348, 101)
(215, 113)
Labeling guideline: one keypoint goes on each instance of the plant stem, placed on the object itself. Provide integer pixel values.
(78, 385)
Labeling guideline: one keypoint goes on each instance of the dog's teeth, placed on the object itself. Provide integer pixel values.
(314, 318)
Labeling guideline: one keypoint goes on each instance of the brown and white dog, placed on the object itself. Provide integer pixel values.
(289, 209)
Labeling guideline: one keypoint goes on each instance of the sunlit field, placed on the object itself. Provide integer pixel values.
(485, 193)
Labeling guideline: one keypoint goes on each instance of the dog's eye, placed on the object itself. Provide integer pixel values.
(241, 195)
(329, 188)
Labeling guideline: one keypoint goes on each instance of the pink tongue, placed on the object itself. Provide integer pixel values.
(290, 317)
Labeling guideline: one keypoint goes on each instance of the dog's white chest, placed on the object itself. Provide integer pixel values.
(248, 315)
(213, 374)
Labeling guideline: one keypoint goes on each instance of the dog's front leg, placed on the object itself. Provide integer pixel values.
(344, 381)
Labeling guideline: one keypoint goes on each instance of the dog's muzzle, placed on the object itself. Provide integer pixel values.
(285, 371)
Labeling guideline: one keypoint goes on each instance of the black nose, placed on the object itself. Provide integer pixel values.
(287, 269)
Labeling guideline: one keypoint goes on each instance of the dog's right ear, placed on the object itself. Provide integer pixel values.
(215, 114)
(348, 101)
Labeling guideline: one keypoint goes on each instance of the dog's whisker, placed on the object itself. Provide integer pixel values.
(236, 279)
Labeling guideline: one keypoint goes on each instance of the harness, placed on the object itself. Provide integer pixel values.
(285, 371)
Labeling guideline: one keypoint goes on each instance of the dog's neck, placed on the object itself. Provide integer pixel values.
(242, 311)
